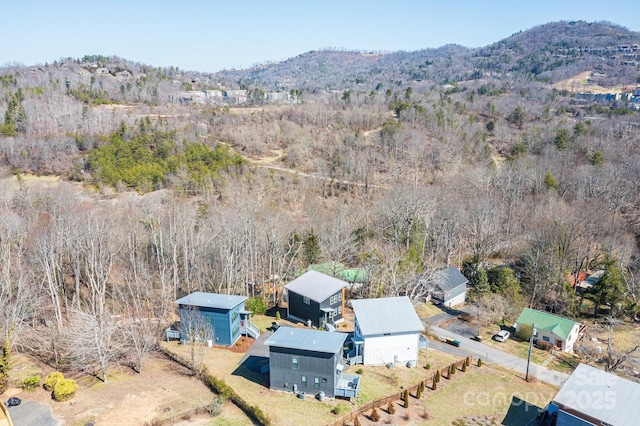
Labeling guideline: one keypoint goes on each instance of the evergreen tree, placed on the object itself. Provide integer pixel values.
(562, 139)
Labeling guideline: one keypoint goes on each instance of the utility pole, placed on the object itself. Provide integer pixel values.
(533, 332)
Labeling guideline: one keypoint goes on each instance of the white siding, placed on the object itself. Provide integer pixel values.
(572, 338)
(384, 349)
(459, 299)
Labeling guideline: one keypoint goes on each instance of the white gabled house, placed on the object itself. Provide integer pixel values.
(560, 332)
(387, 331)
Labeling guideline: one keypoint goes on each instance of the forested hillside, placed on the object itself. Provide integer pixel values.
(400, 163)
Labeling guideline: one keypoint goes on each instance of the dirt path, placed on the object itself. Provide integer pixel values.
(264, 160)
(580, 83)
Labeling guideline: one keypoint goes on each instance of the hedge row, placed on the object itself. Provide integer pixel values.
(221, 388)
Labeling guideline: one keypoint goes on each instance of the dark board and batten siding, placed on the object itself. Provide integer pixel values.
(312, 365)
(311, 311)
(299, 309)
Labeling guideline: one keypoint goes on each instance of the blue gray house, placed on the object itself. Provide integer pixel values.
(220, 318)
(316, 298)
(591, 396)
(309, 361)
(450, 287)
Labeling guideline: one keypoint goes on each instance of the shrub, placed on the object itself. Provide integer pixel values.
(4, 366)
(391, 408)
(375, 416)
(256, 305)
(436, 378)
(428, 366)
(406, 398)
(359, 371)
(419, 392)
(435, 385)
(479, 362)
(464, 366)
(31, 383)
(215, 407)
(51, 380)
(339, 409)
(277, 315)
(547, 346)
(452, 370)
(64, 390)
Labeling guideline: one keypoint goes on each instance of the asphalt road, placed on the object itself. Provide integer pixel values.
(495, 356)
(32, 413)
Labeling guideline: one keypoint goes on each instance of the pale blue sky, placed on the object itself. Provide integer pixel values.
(210, 35)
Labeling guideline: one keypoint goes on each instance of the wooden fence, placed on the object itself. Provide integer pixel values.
(382, 402)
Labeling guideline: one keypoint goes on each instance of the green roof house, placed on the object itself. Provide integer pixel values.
(562, 333)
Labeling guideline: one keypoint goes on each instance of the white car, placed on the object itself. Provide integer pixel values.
(501, 336)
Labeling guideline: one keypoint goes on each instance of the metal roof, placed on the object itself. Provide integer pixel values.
(545, 321)
(306, 339)
(449, 279)
(386, 315)
(316, 286)
(602, 396)
(211, 300)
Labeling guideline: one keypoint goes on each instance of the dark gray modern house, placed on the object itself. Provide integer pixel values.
(309, 361)
(219, 317)
(450, 287)
(316, 299)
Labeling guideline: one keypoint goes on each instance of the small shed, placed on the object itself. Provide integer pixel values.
(309, 361)
(451, 287)
(316, 298)
(387, 331)
(212, 316)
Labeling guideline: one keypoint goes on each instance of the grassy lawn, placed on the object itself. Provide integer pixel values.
(379, 381)
(428, 310)
(520, 348)
(284, 408)
(485, 391)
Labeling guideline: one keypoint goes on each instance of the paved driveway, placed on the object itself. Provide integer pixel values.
(32, 413)
(504, 359)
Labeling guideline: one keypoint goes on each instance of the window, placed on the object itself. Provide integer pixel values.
(340, 297)
(304, 381)
(339, 310)
(306, 300)
(545, 338)
(316, 383)
(324, 380)
(294, 363)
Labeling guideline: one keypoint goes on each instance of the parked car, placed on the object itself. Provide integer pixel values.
(501, 336)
